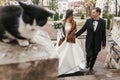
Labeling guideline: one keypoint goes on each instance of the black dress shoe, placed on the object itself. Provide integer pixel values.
(90, 72)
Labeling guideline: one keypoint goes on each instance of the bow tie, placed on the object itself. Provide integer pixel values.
(95, 20)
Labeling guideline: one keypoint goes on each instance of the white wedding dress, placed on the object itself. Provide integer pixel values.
(71, 56)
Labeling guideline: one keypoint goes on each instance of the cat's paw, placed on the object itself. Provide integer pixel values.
(23, 42)
(32, 41)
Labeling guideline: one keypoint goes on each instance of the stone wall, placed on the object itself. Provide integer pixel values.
(113, 56)
(34, 62)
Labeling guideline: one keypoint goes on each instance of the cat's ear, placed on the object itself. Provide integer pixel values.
(24, 6)
(50, 13)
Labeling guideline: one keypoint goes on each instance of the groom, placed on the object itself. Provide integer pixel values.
(95, 38)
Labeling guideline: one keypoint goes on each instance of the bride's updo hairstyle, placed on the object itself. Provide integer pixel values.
(69, 13)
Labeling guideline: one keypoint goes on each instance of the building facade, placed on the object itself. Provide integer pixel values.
(108, 6)
(76, 5)
(63, 5)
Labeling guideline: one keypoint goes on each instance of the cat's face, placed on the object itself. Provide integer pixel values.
(34, 15)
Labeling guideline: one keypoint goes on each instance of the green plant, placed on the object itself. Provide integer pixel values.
(61, 16)
(82, 16)
(56, 17)
(108, 17)
(105, 15)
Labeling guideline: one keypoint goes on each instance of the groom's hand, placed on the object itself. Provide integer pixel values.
(76, 35)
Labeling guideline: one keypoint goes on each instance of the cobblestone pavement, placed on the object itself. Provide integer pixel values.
(101, 73)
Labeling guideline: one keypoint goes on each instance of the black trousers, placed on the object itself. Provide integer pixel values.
(91, 57)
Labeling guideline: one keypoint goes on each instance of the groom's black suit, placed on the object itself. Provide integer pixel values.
(94, 39)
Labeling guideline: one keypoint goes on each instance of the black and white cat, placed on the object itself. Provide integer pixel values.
(21, 22)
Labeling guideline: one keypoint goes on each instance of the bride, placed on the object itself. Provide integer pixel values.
(71, 56)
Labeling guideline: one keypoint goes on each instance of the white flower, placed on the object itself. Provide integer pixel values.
(58, 24)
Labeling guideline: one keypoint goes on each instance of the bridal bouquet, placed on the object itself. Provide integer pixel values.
(59, 26)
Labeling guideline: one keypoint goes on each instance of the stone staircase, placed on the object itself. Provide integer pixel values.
(101, 73)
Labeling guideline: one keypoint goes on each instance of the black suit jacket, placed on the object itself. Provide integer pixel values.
(100, 34)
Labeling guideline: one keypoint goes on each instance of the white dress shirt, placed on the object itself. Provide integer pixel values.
(95, 24)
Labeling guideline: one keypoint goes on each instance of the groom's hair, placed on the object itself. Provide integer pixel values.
(97, 9)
